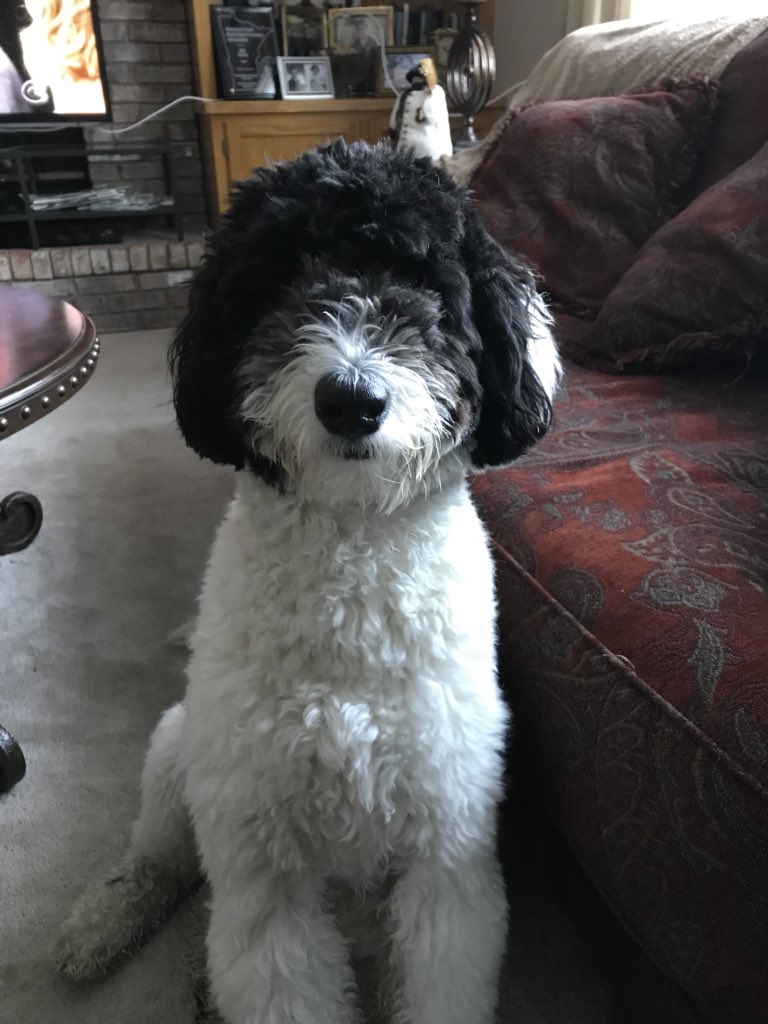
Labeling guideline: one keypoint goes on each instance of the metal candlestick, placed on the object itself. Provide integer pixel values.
(471, 72)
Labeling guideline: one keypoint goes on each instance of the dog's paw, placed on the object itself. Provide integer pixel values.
(110, 919)
(96, 932)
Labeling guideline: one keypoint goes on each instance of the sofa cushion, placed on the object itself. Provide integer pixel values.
(741, 121)
(577, 186)
(698, 289)
(632, 553)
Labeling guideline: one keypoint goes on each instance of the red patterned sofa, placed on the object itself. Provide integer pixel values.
(632, 543)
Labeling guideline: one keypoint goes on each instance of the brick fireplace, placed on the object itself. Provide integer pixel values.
(139, 281)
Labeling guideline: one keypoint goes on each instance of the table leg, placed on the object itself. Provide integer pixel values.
(12, 763)
(21, 516)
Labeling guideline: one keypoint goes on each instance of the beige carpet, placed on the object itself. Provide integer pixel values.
(87, 613)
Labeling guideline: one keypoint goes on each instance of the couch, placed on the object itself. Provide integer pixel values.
(632, 543)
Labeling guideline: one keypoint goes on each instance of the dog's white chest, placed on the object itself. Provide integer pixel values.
(351, 668)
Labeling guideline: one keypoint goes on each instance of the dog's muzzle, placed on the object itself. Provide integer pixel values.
(350, 406)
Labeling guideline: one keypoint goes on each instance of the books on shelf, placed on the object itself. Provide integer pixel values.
(415, 24)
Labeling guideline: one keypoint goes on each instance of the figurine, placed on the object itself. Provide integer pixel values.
(419, 120)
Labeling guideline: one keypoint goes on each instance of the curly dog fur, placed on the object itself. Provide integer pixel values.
(356, 344)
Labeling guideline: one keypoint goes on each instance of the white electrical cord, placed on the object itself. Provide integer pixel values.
(155, 113)
(503, 95)
(109, 131)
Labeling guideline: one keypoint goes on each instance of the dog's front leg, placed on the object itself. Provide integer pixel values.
(275, 955)
(448, 929)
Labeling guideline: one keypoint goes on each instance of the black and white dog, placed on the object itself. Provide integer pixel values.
(356, 344)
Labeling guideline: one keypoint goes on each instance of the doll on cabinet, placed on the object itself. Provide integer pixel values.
(419, 120)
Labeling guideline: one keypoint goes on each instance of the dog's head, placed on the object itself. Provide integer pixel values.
(354, 333)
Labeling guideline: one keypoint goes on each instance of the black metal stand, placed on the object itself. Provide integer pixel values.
(12, 764)
(471, 72)
(21, 516)
(23, 160)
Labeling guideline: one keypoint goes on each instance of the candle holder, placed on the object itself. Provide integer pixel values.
(471, 72)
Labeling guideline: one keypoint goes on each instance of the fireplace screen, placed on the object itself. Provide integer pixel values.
(51, 62)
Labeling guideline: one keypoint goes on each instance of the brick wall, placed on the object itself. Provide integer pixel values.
(121, 287)
(148, 59)
(142, 283)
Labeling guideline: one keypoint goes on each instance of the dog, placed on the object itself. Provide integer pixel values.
(356, 344)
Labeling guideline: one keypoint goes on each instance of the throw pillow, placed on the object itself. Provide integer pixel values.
(577, 186)
(698, 290)
(740, 125)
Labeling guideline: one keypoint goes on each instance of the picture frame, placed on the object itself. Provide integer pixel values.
(398, 61)
(245, 52)
(359, 29)
(305, 78)
(305, 30)
(354, 74)
(443, 41)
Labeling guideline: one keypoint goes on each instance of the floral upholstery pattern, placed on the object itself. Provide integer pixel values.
(632, 553)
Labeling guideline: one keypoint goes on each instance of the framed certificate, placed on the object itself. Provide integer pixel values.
(245, 52)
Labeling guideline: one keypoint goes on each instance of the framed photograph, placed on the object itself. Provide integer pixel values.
(305, 31)
(245, 52)
(360, 29)
(354, 74)
(305, 78)
(398, 61)
(443, 42)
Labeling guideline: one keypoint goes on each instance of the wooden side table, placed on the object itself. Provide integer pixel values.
(48, 352)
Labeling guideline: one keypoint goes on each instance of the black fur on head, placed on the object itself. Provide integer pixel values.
(374, 214)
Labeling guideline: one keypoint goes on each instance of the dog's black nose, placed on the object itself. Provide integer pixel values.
(350, 405)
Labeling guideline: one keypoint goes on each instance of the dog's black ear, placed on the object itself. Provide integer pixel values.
(518, 366)
(243, 271)
(203, 360)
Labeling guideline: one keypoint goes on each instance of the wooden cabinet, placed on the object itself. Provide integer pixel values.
(239, 135)
(247, 134)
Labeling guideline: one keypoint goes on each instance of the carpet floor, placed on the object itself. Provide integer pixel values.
(89, 611)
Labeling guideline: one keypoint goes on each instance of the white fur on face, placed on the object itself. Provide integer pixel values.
(401, 459)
